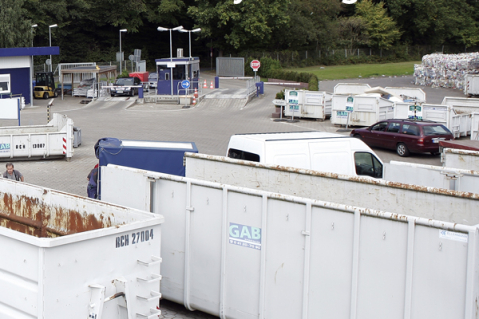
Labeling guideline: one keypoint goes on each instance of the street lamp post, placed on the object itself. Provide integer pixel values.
(121, 57)
(171, 51)
(170, 29)
(50, 37)
(33, 26)
(32, 69)
(189, 33)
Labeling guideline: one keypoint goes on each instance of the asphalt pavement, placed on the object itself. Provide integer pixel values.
(208, 124)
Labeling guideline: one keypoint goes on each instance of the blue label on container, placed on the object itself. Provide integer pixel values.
(246, 236)
(4, 147)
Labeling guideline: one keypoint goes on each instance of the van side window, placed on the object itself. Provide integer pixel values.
(367, 164)
(234, 153)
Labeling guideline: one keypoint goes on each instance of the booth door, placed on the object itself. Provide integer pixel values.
(179, 75)
(164, 82)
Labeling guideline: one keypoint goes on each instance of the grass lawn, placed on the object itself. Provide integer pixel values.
(338, 72)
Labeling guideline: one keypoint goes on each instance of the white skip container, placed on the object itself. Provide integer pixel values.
(246, 253)
(54, 140)
(306, 104)
(64, 256)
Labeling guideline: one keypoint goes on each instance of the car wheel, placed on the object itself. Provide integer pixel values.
(435, 153)
(55, 94)
(46, 95)
(357, 136)
(402, 150)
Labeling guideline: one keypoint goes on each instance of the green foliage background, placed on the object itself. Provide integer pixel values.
(88, 30)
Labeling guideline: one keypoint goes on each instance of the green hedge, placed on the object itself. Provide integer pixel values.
(304, 77)
(271, 68)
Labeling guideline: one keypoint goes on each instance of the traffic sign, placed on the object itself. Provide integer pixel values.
(185, 84)
(255, 64)
(279, 102)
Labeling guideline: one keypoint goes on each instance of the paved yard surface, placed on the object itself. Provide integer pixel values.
(209, 125)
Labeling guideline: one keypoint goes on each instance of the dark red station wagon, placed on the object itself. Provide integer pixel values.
(405, 136)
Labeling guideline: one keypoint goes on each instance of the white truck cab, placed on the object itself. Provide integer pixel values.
(320, 151)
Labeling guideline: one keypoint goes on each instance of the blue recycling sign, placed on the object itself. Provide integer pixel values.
(185, 84)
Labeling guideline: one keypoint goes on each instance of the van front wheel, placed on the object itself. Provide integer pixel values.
(401, 150)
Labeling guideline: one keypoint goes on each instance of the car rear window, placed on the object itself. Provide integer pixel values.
(435, 130)
(410, 129)
(124, 81)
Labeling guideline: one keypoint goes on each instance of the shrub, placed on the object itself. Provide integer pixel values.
(268, 65)
(124, 74)
(313, 83)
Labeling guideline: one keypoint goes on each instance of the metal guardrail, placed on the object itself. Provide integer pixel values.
(250, 87)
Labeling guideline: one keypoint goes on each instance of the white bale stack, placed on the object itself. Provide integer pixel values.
(446, 70)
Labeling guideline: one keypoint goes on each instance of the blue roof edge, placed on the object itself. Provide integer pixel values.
(29, 51)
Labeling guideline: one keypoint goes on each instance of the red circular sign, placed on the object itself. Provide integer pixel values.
(255, 64)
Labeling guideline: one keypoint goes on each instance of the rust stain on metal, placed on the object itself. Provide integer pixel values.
(461, 151)
(33, 217)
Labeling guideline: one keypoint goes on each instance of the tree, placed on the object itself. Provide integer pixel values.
(15, 30)
(438, 21)
(382, 29)
(353, 32)
(311, 22)
(247, 25)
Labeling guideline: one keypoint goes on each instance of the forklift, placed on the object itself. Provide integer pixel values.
(44, 86)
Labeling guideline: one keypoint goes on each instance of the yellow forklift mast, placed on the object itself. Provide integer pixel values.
(44, 86)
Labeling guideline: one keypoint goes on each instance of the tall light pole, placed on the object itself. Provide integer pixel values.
(50, 37)
(171, 51)
(170, 29)
(121, 57)
(189, 33)
(33, 26)
(32, 69)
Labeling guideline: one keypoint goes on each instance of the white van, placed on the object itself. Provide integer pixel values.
(320, 151)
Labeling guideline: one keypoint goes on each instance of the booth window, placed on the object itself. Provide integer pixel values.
(179, 72)
(5, 83)
(167, 76)
(4, 86)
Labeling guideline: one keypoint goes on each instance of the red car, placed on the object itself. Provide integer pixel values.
(405, 136)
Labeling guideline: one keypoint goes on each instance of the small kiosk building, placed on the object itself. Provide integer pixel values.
(172, 71)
